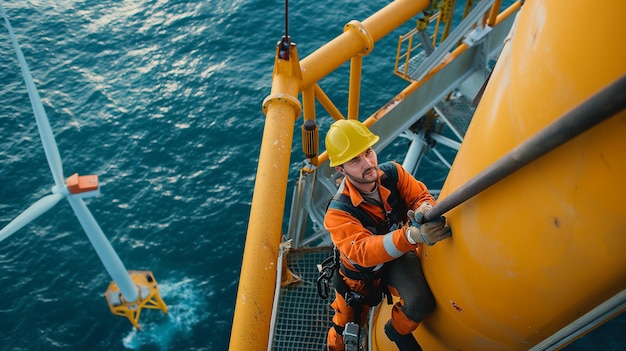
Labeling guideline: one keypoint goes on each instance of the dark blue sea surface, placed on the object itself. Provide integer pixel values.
(162, 100)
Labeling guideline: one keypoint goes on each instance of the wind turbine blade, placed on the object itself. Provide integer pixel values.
(35, 210)
(103, 248)
(45, 132)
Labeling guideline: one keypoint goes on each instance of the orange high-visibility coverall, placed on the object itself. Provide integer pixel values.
(360, 248)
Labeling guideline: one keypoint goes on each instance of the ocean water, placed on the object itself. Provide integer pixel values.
(162, 100)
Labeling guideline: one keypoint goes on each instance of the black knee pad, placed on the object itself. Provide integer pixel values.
(418, 310)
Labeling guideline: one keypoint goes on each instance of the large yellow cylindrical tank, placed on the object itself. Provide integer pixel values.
(547, 244)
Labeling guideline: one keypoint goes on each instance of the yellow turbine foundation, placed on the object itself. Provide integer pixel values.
(149, 297)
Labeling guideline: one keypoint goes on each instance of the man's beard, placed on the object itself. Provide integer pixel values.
(364, 178)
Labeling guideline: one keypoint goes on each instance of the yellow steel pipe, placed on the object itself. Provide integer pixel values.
(324, 100)
(354, 93)
(308, 101)
(354, 42)
(253, 309)
(392, 16)
(493, 15)
(508, 12)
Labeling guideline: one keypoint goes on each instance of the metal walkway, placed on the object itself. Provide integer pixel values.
(303, 317)
(457, 114)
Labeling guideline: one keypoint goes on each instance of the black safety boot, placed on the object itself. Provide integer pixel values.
(404, 342)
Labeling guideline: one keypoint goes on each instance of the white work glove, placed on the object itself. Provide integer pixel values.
(429, 232)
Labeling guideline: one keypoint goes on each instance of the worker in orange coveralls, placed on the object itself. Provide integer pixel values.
(367, 220)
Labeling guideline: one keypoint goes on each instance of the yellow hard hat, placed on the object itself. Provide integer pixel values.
(346, 139)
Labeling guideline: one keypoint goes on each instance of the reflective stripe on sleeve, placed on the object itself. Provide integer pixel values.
(390, 247)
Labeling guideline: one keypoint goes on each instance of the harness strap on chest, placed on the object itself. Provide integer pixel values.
(389, 180)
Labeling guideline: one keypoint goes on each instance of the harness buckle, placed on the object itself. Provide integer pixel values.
(354, 299)
(351, 336)
(327, 270)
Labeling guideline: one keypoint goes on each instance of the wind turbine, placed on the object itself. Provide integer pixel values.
(130, 291)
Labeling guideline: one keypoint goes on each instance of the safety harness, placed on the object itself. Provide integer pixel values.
(329, 267)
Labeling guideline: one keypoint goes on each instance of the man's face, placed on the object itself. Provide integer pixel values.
(363, 169)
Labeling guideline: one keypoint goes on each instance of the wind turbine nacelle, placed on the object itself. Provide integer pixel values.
(86, 185)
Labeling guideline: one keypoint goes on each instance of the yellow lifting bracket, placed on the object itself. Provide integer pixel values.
(447, 14)
(422, 22)
(149, 297)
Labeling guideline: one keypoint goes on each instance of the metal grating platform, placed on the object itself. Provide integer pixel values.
(303, 317)
(413, 66)
(457, 112)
